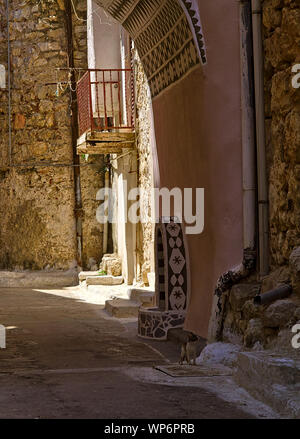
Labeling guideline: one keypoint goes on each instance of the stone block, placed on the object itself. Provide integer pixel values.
(241, 293)
(122, 308)
(275, 279)
(254, 333)
(112, 265)
(38, 149)
(251, 311)
(84, 274)
(279, 313)
(144, 297)
(49, 46)
(271, 378)
(271, 16)
(282, 343)
(37, 279)
(19, 122)
(219, 354)
(104, 280)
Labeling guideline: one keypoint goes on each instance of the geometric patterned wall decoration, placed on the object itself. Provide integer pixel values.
(172, 290)
(193, 13)
(167, 34)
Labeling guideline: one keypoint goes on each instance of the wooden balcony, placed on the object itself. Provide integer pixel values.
(106, 111)
(95, 142)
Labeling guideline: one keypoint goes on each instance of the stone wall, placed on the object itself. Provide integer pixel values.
(145, 171)
(3, 92)
(37, 222)
(268, 325)
(281, 19)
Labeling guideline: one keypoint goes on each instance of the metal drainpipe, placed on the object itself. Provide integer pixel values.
(263, 202)
(282, 292)
(9, 85)
(74, 127)
(105, 229)
(248, 127)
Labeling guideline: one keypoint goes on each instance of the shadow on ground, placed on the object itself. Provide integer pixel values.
(66, 358)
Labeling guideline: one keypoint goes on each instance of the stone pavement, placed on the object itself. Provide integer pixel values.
(66, 358)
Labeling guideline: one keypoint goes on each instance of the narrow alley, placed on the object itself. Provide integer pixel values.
(150, 211)
(66, 358)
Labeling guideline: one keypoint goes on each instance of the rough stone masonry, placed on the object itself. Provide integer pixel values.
(38, 228)
(37, 202)
(281, 20)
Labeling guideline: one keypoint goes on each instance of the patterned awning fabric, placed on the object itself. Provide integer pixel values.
(167, 34)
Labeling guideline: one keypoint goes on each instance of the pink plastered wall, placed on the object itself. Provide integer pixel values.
(198, 141)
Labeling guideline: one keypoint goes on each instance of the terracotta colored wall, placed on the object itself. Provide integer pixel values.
(198, 134)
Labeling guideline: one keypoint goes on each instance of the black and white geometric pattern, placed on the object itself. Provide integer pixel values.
(172, 289)
(192, 9)
(154, 324)
(176, 286)
(167, 34)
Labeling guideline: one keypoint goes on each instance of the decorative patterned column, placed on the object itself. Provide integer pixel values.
(172, 291)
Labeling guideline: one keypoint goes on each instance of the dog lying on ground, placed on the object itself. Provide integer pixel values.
(189, 345)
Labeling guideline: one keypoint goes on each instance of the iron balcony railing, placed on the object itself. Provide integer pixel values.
(106, 100)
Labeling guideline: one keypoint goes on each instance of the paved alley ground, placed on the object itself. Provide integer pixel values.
(66, 358)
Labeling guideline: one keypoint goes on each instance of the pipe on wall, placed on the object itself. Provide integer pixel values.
(105, 227)
(279, 293)
(75, 131)
(262, 186)
(248, 127)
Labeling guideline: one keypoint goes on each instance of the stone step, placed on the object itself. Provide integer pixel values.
(144, 297)
(122, 308)
(271, 378)
(104, 280)
(84, 274)
(38, 279)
